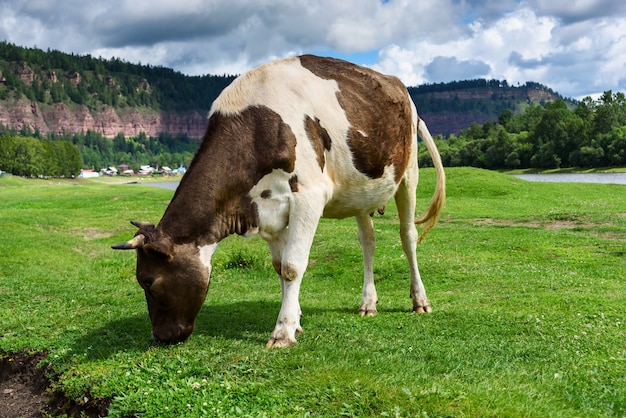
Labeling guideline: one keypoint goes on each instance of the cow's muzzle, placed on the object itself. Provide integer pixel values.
(172, 335)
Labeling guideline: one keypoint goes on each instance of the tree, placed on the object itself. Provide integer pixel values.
(614, 143)
(7, 153)
(610, 113)
(29, 157)
(559, 133)
(499, 148)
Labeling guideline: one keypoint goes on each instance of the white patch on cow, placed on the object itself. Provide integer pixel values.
(273, 211)
(340, 186)
(360, 194)
(206, 255)
(292, 91)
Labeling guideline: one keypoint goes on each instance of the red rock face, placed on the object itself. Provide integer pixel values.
(59, 118)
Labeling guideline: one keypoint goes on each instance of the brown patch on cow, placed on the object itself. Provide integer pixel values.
(378, 109)
(320, 140)
(288, 272)
(277, 266)
(293, 183)
(237, 150)
(266, 194)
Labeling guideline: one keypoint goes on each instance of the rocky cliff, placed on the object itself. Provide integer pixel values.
(53, 92)
(59, 118)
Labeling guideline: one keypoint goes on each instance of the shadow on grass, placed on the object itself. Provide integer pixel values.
(247, 321)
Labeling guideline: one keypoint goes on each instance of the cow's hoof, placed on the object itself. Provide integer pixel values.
(367, 310)
(280, 343)
(282, 338)
(422, 307)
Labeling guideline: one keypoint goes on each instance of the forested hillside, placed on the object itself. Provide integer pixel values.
(55, 92)
(48, 77)
(448, 108)
(114, 112)
(593, 134)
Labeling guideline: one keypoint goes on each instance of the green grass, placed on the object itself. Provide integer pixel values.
(526, 281)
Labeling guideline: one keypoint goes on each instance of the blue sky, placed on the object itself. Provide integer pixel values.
(576, 47)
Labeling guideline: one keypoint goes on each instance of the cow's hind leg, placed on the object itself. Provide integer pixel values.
(293, 248)
(368, 246)
(405, 201)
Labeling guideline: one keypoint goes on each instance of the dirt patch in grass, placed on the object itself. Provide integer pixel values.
(552, 224)
(26, 391)
(93, 233)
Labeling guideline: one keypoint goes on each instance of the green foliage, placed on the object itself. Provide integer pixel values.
(526, 282)
(26, 156)
(450, 107)
(529, 132)
(94, 82)
(593, 134)
(65, 155)
(164, 150)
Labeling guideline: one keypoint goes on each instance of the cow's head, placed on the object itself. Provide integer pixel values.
(174, 278)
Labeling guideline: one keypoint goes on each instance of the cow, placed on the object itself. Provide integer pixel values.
(286, 144)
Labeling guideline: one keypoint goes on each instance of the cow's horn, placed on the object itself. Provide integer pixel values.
(140, 225)
(136, 242)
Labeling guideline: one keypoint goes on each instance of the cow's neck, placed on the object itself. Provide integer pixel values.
(237, 151)
(212, 200)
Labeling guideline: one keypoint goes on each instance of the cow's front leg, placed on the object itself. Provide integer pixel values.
(294, 255)
(288, 322)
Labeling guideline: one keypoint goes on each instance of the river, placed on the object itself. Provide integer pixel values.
(604, 178)
(170, 185)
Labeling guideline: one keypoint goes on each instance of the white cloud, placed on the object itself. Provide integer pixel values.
(575, 47)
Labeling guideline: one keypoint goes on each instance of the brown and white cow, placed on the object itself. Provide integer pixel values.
(286, 144)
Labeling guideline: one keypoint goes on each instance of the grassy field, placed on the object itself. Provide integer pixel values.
(527, 282)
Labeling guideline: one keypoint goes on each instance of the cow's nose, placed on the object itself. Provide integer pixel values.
(173, 335)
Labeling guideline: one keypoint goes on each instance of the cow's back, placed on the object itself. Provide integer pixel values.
(353, 126)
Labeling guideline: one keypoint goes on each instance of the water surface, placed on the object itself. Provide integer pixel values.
(604, 178)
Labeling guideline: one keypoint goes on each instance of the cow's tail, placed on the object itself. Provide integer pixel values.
(430, 218)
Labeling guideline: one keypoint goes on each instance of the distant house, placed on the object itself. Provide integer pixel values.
(86, 174)
(180, 170)
(109, 171)
(146, 170)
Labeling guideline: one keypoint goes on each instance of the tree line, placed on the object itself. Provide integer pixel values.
(27, 153)
(591, 134)
(49, 77)
(32, 157)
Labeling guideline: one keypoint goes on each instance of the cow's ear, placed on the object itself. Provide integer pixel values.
(161, 249)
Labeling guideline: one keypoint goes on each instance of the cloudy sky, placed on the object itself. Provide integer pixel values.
(575, 47)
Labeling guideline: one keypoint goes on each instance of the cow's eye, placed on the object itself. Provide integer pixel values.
(147, 283)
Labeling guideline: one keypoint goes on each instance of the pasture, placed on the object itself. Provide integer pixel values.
(527, 283)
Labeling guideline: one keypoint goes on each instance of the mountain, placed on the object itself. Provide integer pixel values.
(449, 108)
(51, 92)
